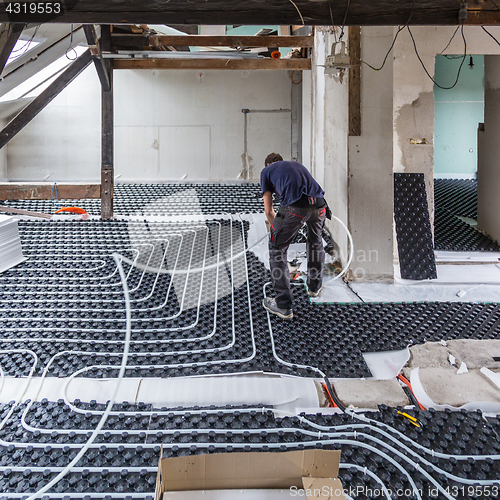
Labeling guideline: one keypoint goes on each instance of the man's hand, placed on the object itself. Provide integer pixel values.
(268, 206)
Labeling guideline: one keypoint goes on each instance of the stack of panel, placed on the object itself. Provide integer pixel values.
(11, 252)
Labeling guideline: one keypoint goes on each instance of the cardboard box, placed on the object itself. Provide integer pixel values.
(315, 471)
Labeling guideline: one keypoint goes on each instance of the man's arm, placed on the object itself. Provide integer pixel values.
(268, 206)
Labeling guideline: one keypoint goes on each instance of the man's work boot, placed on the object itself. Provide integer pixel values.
(272, 307)
(314, 294)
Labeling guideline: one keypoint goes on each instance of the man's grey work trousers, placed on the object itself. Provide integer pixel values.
(284, 228)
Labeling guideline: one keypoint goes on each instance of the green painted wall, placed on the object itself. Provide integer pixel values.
(457, 113)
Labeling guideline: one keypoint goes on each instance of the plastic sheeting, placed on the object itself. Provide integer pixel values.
(386, 365)
(338, 292)
(284, 393)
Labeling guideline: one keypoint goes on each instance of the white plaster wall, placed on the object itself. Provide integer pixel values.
(371, 165)
(167, 124)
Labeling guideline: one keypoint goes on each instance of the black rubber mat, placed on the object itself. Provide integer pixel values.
(165, 199)
(55, 303)
(43, 437)
(458, 196)
(453, 234)
(455, 198)
(413, 228)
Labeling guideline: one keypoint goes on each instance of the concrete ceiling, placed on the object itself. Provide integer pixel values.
(312, 12)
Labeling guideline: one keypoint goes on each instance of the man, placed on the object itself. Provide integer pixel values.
(302, 200)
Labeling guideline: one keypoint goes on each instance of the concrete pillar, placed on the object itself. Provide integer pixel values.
(370, 191)
(488, 167)
(328, 137)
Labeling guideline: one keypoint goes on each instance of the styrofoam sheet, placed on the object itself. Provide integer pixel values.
(227, 495)
(85, 389)
(444, 256)
(284, 393)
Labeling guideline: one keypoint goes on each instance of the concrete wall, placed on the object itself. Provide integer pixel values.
(329, 130)
(371, 164)
(168, 124)
(488, 173)
(414, 92)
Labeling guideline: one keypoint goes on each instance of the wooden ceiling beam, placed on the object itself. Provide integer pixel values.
(483, 17)
(102, 67)
(206, 64)
(44, 98)
(45, 191)
(212, 41)
(256, 12)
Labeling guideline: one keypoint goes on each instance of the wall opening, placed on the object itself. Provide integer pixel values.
(457, 112)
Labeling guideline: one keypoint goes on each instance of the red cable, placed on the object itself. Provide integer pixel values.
(329, 396)
(407, 382)
(295, 83)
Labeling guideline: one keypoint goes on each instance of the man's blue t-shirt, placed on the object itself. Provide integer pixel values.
(289, 180)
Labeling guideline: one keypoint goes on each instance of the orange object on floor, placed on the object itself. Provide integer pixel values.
(71, 210)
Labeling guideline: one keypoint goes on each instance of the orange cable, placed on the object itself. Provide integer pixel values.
(329, 396)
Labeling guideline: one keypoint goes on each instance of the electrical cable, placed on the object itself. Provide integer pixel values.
(333, 395)
(26, 46)
(352, 289)
(495, 4)
(301, 18)
(484, 29)
(407, 383)
(400, 29)
(343, 22)
(425, 69)
(451, 39)
(71, 47)
(294, 82)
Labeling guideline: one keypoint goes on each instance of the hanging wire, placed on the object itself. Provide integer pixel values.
(494, 3)
(293, 81)
(26, 46)
(331, 18)
(400, 29)
(451, 39)
(425, 69)
(484, 29)
(345, 18)
(301, 18)
(71, 47)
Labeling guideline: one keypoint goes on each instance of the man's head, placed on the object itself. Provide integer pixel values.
(271, 158)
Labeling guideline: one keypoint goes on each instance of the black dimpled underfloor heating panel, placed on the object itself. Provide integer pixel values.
(413, 228)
